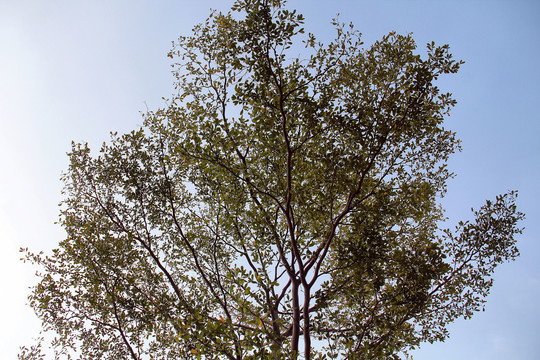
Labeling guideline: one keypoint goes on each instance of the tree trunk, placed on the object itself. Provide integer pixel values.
(296, 318)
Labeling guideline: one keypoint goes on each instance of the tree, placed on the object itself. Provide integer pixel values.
(278, 207)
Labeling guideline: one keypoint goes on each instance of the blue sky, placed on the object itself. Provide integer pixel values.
(74, 70)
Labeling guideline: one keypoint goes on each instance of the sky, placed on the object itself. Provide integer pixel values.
(77, 70)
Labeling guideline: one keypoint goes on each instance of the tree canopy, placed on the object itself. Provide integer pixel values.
(284, 204)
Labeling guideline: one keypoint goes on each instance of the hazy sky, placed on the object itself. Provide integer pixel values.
(76, 70)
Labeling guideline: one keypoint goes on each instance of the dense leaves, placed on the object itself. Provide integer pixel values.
(278, 207)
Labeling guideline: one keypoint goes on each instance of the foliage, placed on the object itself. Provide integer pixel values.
(278, 207)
